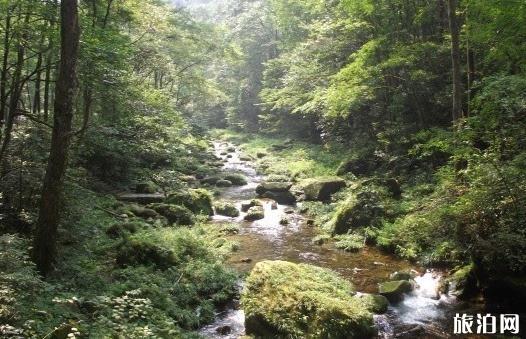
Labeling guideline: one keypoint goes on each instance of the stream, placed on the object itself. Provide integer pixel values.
(423, 313)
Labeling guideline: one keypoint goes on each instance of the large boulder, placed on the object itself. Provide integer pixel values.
(359, 210)
(282, 299)
(394, 290)
(199, 201)
(321, 189)
(273, 187)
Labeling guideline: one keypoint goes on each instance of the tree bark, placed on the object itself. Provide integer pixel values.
(3, 74)
(44, 249)
(455, 60)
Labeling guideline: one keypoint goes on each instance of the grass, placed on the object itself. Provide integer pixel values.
(91, 295)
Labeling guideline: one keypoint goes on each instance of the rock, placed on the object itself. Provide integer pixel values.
(284, 198)
(143, 212)
(212, 180)
(224, 330)
(310, 222)
(289, 210)
(359, 210)
(223, 183)
(463, 282)
(236, 179)
(245, 205)
(394, 290)
(146, 187)
(273, 187)
(401, 276)
(226, 209)
(261, 155)
(393, 186)
(376, 303)
(120, 229)
(274, 205)
(283, 299)
(175, 214)
(231, 149)
(284, 221)
(321, 189)
(132, 252)
(245, 158)
(199, 201)
(255, 213)
(223, 153)
(246, 260)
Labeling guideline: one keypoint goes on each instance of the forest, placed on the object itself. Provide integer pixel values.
(261, 168)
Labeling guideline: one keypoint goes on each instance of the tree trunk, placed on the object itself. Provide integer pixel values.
(44, 252)
(3, 74)
(455, 60)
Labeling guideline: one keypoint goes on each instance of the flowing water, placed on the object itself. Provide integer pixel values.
(423, 313)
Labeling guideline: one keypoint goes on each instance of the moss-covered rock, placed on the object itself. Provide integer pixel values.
(134, 252)
(359, 210)
(142, 212)
(211, 180)
(401, 275)
(226, 209)
(375, 303)
(236, 179)
(199, 201)
(224, 183)
(245, 205)
(394, 290)
(255, 213)
(321, 189)
(273, 187)
(282, 299)
(361, 165)
(146, 187)
(175, 214)
(462, 282)
(123, 228)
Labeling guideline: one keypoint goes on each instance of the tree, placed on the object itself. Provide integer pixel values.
(65, 93)
(455, 60)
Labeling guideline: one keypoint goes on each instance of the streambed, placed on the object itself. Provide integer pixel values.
(423, 313)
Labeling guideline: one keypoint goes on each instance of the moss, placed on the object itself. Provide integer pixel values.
(321, 189)
(146, 187)
(226, 209)
(321, 239)
(174, 214)
(304, 301)
(120, 229)
(359, 210)
(236, 179)
(246, 205)
(132, 252)
(394, 290)
(376, 303)
(223, 183)
(255, 213)
(199, 201)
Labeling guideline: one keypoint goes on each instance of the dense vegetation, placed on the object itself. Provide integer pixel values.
(419, 105)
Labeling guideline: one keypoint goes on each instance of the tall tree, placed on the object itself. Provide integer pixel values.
(455, 60)
(65, 93)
